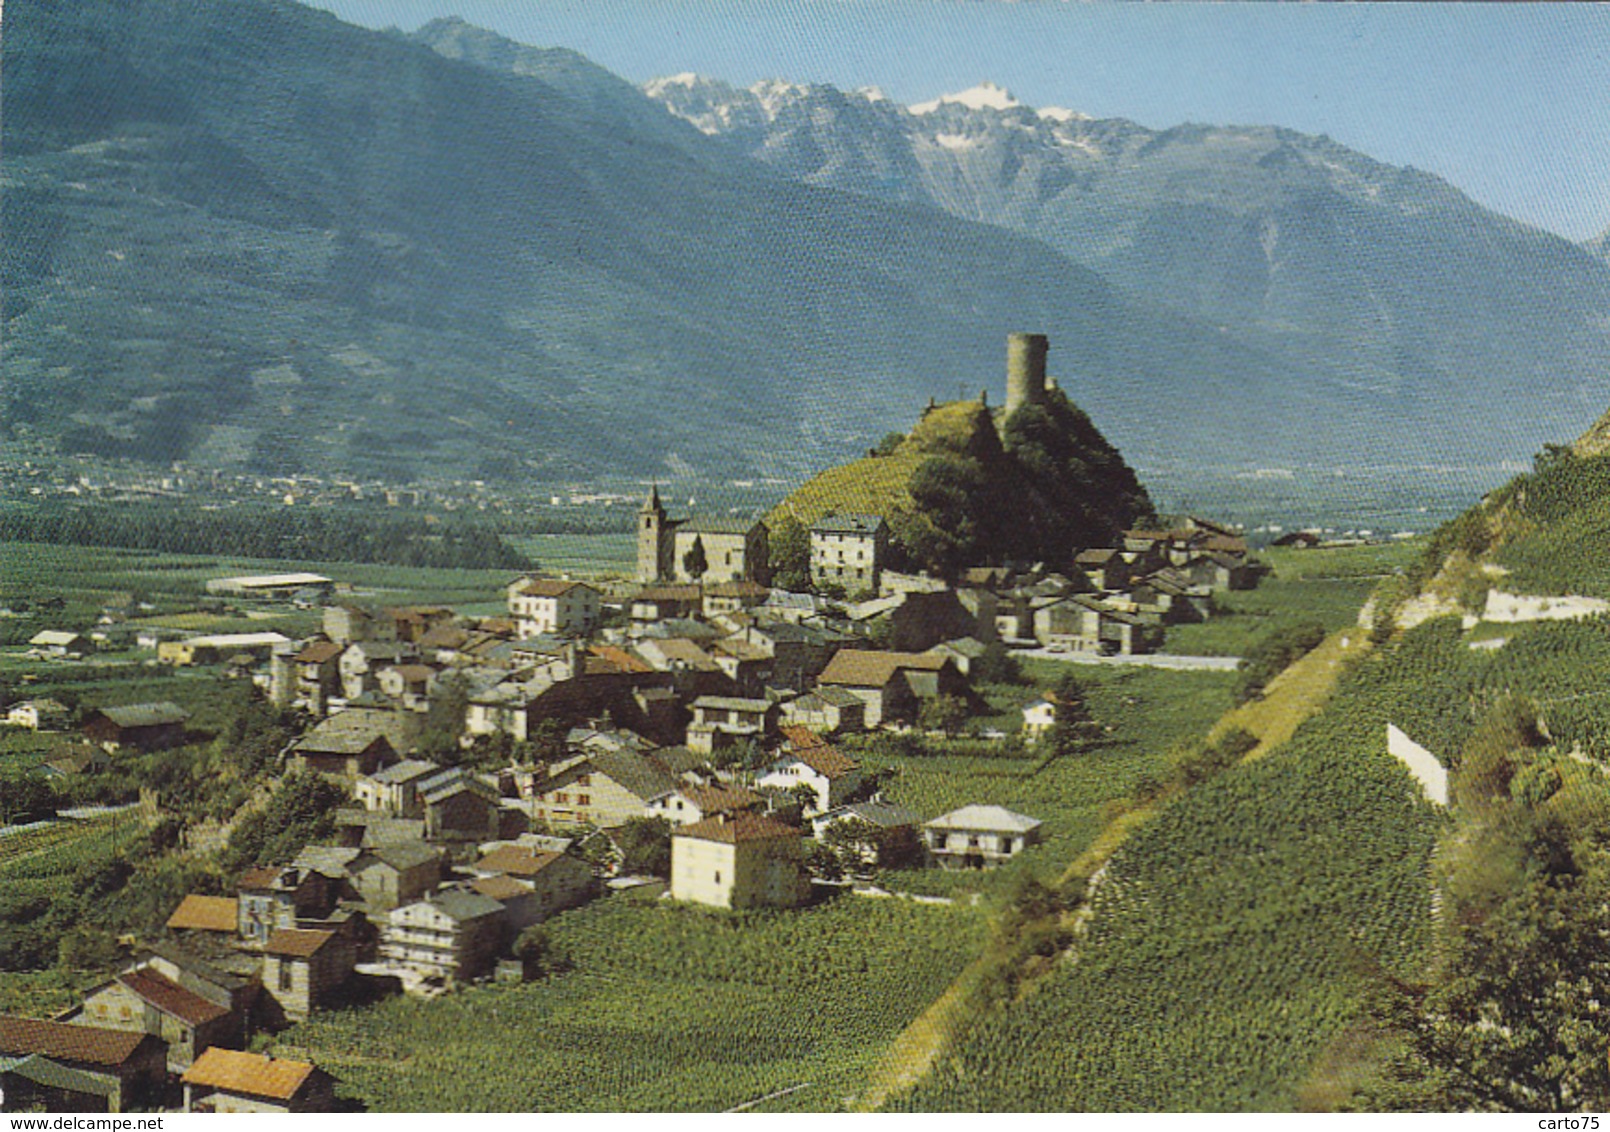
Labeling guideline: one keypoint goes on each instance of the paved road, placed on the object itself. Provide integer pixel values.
(1147, 660)
(80, 813)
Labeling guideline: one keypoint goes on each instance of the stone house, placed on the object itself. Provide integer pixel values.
(391, 875)
(459, 807)
(394, 790)
(342, 748)
(664, 601)
(408, 684)
(748, 666)
(362, 661)
(743, 861)
(310, 676)
(304, 970)
(733, 597)
(889, 830)
(274, 898)
(231, 1081)
(143, 999)
(849, 550)
(828, 710)
(892, 684)
(556, 881)
(605, 788)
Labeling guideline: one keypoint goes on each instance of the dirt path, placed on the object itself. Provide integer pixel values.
(1293, 696)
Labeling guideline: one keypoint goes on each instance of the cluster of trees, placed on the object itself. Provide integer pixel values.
(317, 535)
(1047, 482)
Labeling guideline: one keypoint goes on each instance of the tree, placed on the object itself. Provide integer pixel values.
(1074, 728)
(539, 956)
(695, 561)
(24, 796)
(645, 847)
(789, 551)
(446, 719)
(805, 795)
(889, 445)
(996, 666)
(945, 714)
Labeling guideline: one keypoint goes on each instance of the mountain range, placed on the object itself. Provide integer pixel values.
(248, 235)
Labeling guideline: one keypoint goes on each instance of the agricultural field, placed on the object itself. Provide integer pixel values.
(1327, 586)
(1149, 712)
(1246, 927)
(581, 555)
(666, 1008)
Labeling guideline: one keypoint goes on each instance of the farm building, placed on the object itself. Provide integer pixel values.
(231, 1081)
(271, 587)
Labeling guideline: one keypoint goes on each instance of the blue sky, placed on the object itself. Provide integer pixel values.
(1511, 103)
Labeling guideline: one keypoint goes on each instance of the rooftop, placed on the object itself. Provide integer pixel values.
(252, 1074)
(739, 828)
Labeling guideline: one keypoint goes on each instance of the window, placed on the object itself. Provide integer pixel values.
(583, 800)
(718, 876)
(562, 799)
(1006, 845)
(585, 780)
(285, 976)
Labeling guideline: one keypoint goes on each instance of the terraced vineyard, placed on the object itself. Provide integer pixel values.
(667, 1008)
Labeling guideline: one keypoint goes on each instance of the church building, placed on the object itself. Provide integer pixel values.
(698, 550)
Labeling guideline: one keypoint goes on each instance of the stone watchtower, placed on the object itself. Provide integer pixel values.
(653, 539)
(1025, 370)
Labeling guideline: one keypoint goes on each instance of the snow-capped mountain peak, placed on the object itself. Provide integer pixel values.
(985, 96)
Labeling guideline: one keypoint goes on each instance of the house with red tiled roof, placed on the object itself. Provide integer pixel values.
(555, 605)
(743, 861)
(144, 1000)
(133, 1062)
(831, 775)
(553, 881)
(231, 1081)
(689, 804)
(219, 914)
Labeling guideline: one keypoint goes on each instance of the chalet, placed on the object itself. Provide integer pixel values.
(743, 861)
(979, 836)
(848, 550)
(454, 934)
(720, 721)
(232, 1081)
(61, 643)
(144, 1000)
(38, 715)
(831, 775)
(562, 607)
(130, 1064)
(145, 726)
(892, 684)
(688, 804)
(394, 789)
(304, 970)
(600, 787)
